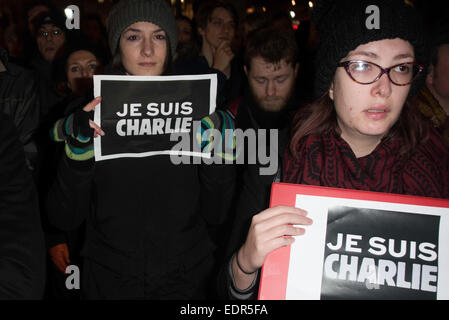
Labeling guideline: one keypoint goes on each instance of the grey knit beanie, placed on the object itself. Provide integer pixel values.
(127, 12)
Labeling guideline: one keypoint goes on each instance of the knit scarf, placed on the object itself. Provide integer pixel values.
(327, 160)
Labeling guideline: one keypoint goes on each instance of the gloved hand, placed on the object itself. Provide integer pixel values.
(77, 130)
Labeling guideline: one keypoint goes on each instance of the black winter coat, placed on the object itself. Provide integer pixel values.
(19, 98)
(22, 249)
(147, 224)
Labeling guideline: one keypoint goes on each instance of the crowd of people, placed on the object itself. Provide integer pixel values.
(354, 107)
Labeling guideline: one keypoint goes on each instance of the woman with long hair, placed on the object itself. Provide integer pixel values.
(363, 132)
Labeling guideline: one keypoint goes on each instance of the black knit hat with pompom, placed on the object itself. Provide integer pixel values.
(341, 26)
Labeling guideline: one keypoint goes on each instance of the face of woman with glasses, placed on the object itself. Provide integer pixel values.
(369, 110)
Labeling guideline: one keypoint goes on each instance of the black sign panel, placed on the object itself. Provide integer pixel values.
(377, 254)
(138, 114)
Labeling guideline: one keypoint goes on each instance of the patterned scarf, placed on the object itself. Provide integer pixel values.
(327, 160)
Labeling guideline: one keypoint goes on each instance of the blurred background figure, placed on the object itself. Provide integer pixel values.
(8, 30)
(185, 29)
(94, 31)
(33, 13)
(282, 21)
(251, 22)
(433, 98)
(50, 38)
(50, 35)
(13, 39)
(188, 44)
(217, 22)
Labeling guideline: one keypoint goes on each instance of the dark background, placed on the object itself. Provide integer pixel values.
(432, 10)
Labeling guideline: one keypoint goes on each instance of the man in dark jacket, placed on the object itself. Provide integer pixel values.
(22, 252)
(271, 67)
(19, 98)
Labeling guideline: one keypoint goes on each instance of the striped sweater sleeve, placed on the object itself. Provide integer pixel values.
(77, 147)
(222, 122)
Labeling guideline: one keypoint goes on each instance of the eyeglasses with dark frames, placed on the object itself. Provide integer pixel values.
(45, 34)
(365, 72)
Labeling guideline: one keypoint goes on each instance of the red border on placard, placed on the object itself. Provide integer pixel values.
(274, 274)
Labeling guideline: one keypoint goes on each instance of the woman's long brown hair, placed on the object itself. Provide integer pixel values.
(320, 116)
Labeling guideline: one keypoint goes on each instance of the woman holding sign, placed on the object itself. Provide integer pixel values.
(363, 132)
(146, 219)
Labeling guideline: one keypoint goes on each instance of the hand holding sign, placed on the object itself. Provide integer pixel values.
(270, 229)
(140, 114)
(91, 107)
(362, 245)
(76, 131)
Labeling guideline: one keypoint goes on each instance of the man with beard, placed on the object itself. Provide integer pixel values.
(269, 102)
(271, 65)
